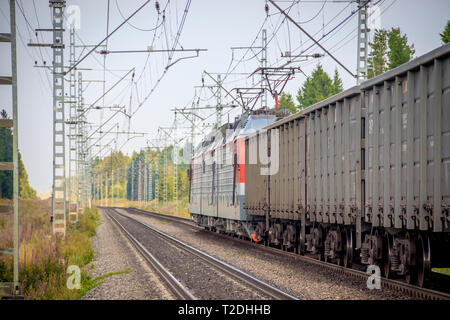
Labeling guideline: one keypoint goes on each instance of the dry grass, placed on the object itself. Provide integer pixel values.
(177, 208)
(43, 257)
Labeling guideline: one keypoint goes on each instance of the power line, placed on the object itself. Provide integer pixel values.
(304, 31)
(137, 28)
(117, 28)
(186, 10)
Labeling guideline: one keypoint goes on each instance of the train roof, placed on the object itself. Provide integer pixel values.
(243, 125)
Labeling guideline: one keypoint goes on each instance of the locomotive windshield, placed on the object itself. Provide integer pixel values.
(256, 123)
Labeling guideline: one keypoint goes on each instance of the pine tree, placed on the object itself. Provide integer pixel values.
(445, 35)
(337, 83)
(318, 87)
(390, 49)
(287, 102)
(399, 50)
(377, 57)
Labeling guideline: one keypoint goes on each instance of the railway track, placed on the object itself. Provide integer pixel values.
(413, 291)
(175, 286)
(181, 291)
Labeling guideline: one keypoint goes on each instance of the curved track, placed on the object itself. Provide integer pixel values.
(239, 275)
(174, 285)
(413, 291)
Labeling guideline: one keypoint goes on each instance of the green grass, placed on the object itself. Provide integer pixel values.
(89, 283)
(442, 270)
(165, 222)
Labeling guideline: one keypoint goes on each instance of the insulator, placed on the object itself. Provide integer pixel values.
(266, 8)
(157, 6)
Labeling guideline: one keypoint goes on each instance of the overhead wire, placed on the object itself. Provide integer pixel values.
(21, 38)
(180, 28)
(30, 27)
(132, 25)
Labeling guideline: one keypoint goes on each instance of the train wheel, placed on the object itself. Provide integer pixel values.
(347, 257)
(388, 242)
(411, 274)
(423, 259)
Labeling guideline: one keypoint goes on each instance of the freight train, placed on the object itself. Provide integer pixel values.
(361, 177)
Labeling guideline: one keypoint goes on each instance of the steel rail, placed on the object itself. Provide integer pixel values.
(412, 290)
(226, 268)
(175, 286)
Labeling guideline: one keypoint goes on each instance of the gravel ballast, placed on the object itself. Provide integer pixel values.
(299, 278)
(114, 253)
(201, 279)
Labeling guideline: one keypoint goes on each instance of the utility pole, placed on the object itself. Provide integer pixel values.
(139, 184)
(165, 170)
(175, 156)
(145, 177)
(14, 287)
(81, 119)
(158, 160)
(58, 217)
(150, 192)
(132, 180)
(217, 92)
(363, 35)
(59, 159)
(219, 101)
(264, 65)
(73, 210)
(194, 116)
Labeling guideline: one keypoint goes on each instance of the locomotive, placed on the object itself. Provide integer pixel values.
(360, 177)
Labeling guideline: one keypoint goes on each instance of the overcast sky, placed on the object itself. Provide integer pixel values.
(209, 24)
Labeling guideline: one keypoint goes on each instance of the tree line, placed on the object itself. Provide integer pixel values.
(132, 168)
(6, 177)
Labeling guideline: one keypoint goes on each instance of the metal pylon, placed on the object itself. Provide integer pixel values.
(219, 101)
(59, 181)
(72, 185)
(14, 287)
(80, 145)
(264, 65)
(150, 183)
(157, 177)
(165, 175)
(363, 34)
(132, 180)
(139, 176)
(175, 159)
(145, 178)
